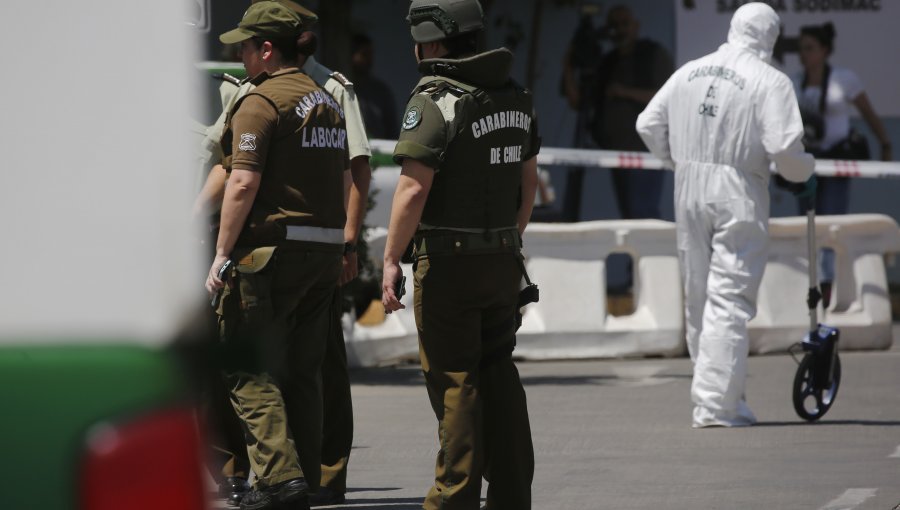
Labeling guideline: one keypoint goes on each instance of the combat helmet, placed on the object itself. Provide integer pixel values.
(435, 20)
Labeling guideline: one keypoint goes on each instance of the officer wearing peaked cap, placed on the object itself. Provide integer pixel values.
(468, 150)
(282, 224)
(335, 435)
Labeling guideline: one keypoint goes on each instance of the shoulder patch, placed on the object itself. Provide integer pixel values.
(248, 142)
(412, 117)
(341, 79)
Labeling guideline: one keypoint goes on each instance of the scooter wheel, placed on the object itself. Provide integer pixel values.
(810, 403)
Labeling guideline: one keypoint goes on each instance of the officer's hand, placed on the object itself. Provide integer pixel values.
(392, 274)
(213, 283)
(350, 269)
(806, 190)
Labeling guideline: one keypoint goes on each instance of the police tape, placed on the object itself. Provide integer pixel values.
(589, 158)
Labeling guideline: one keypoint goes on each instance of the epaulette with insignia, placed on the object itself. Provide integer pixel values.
(341, 79)
(436, 88)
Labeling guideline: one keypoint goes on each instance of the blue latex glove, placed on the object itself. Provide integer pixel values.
(805, 190)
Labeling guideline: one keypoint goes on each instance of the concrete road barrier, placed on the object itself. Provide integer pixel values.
(860, 305)
(568, 262)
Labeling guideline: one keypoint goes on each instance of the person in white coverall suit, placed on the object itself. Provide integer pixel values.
(720, 120)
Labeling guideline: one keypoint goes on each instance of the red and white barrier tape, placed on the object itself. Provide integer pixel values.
(553, 156)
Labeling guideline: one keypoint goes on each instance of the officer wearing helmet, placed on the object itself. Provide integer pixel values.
(467, 147)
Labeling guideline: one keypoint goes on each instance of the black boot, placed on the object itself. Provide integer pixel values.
(232, 489)
(287, 495)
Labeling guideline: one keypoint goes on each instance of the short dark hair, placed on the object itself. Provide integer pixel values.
(307, 43)
(287, 46)
(825, 34)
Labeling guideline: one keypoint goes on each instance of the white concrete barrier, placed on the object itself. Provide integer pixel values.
(384, 183)
(394, 340)
(860, 305)
(568, 262)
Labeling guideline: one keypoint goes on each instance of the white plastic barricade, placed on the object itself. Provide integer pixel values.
(860, 305)
(392, 341)
(568, 262)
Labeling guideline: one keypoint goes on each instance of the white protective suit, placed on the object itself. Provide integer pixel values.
(720, 120)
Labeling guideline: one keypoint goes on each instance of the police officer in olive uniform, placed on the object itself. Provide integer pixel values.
(282, 225)
(467, 147)
(336, 432)
(337, 438)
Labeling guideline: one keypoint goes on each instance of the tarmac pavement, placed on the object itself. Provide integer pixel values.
(616, 434)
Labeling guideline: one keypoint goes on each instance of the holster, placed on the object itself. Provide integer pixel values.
(245, 310)
(252, 260)
(527, 295)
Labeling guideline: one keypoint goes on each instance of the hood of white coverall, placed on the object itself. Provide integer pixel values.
(755, 27)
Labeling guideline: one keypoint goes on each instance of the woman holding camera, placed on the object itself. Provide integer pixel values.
(826, 121)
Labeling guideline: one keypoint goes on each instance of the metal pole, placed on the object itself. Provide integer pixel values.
(813, 298)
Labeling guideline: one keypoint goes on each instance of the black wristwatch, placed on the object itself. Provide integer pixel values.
(349, 248)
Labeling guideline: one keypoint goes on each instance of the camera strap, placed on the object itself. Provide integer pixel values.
(823, 96)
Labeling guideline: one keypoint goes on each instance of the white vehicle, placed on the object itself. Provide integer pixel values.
(100, 270)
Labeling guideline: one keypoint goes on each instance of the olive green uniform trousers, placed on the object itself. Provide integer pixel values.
(465, 308)
(275, 323)
(229, 455)
(337, 432)
(337, 440)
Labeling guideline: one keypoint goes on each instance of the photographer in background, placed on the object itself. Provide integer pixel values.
(624, 81)
(578, 83)
(826, 124)
(580, 65)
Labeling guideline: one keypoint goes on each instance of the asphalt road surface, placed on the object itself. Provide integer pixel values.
(616, 434)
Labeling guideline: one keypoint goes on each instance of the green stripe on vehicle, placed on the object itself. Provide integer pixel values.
(53, 394)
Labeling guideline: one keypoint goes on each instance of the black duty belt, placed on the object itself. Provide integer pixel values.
(448, 242)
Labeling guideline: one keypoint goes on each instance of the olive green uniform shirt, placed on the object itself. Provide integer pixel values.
(292, 132)
(333, 82)
(469, 121)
